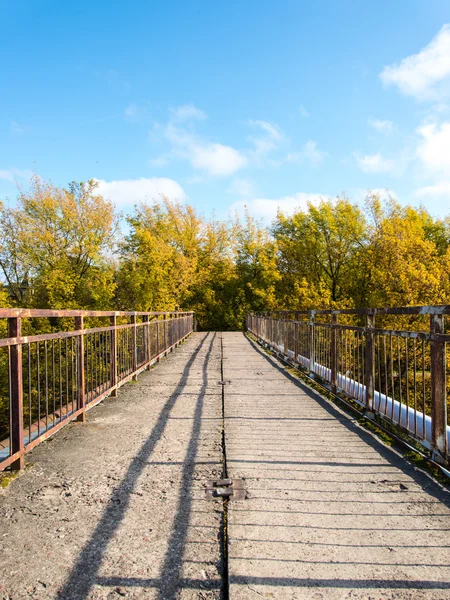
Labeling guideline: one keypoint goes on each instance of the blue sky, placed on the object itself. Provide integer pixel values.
(260, 103)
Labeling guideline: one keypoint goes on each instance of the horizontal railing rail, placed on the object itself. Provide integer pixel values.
(49, 379)
(398, 373)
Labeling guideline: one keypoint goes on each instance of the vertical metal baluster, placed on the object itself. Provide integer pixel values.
(355, 365)
(38, 384)
(54, 383)
(379, 371)
(114, 355)
(347, 362)
(46, 385)
(30, 409)
(15, 372)
(73, 370)
(105, 360)
(424, 431)
(415, 386)
(11, 424)
(94, 366)
(392, 378)
(67, 377)
(368, 362)
(92, 336)
(83, 369)
(89, 367)
(399, 379)
(119, 354)
(100, 364)
(386, 379)
(363, 362)
(407, 380)
(438, 389)
(360, 366)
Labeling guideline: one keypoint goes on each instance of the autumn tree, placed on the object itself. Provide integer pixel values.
(159, 257)
(408, 256)
(61, 248)
(256, 266)
(320, 251)
(213, 293)
(54, 247)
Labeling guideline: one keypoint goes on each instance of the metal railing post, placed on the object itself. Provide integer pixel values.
(312, 359)
(81, 383)
(286, 333)
(157, 338)
(134, 347)
(334, 353)
(438, 390)
(370, 362)
(145, 319)
(272, 327)
(16, 398)
(296, 350)
(165, 334)
(113, 355)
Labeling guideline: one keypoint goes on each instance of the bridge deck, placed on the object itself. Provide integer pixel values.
(116, 507)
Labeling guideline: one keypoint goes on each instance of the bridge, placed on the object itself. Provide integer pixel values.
(224, 464)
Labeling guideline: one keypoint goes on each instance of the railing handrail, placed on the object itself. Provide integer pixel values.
(433, 309)
(54, 378)
(321, 349)
(7, 313)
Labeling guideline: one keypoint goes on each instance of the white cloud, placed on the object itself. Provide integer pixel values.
(439, 190)
(375, 163)
(212, 158)
(309, 153)
(216, 159)
(433, 152)
(303, 112)
(128, 192)
(273, 131)
(13, 175)
(242, 188)
(187, 112)
(271, 138)
(434, 148)
(380, 125)
(267, 208)
(425, 75)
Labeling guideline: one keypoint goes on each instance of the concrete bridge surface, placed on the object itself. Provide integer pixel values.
(117, 507)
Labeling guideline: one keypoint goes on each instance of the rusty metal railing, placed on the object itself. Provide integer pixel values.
(50, 379)
(393, 369)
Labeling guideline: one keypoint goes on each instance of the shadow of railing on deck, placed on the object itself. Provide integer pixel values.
(85, 572)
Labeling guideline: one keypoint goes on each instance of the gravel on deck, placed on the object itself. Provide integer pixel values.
(116, 507)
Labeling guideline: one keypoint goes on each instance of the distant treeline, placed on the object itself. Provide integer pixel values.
(63, 248)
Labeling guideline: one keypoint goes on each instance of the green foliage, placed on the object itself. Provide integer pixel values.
(59, 248)
(54, 247)
(320, 253)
